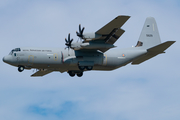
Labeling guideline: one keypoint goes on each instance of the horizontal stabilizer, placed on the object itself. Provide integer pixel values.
(161, 47)
(152, 52)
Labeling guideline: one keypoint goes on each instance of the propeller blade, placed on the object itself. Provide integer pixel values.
(79, 28)
(71, 41)
(69, 37)
(66, 40)
(82, 31)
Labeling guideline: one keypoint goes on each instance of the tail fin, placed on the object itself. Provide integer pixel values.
(149, 36)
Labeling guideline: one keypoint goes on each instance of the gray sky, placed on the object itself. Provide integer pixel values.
(144, 92)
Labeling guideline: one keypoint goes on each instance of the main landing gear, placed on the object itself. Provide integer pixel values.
(20, 68)
(73, 73)
(80, 73)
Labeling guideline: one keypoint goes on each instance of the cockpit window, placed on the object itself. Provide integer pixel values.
(14, 50)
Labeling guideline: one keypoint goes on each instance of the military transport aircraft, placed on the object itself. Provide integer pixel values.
(92, 51)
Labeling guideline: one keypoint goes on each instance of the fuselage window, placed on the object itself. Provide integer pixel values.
(10, 53)
(14, 54)
(16, 50)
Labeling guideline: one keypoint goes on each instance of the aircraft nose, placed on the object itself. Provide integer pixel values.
(7, 59)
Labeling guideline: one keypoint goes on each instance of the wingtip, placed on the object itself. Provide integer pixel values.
(124, 16)
(171, 41)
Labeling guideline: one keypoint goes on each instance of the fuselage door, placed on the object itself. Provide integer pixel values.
(55, 56)
(30, 60)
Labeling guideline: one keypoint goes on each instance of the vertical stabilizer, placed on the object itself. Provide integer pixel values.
(149, 36)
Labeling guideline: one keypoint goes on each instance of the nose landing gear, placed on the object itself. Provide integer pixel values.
(20, 68)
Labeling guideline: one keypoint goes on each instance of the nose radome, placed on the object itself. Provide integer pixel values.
(4, 59)
(7, 59)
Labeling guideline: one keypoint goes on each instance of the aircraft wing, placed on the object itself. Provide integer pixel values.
(41, 73)
(114, 24)
(111, 32)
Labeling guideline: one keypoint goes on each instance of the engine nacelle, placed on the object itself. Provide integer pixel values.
(96, 45)
(91, 36)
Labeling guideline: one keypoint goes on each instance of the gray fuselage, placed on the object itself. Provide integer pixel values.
(63, 60)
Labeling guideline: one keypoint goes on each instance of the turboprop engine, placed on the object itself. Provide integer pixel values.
(89, 45)
(87, 36)
(90, 41)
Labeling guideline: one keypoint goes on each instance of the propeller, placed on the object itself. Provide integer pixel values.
(68, 41)
(80, 33)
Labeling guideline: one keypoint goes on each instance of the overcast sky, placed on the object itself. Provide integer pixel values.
(149, 91)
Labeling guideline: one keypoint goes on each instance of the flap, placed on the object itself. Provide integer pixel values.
(112, 38)
(114, 24)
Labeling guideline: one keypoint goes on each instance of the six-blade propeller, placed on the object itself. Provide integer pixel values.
(79, 34)
(68, 41)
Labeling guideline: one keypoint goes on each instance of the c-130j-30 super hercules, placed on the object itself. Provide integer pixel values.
(92, 53)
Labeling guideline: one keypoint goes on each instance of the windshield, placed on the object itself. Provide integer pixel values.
(16, 50)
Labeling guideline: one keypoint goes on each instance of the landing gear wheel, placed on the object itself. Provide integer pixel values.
(89, 67)
(81, 68)
(72, 74)
(80, 74)
(20, 68)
